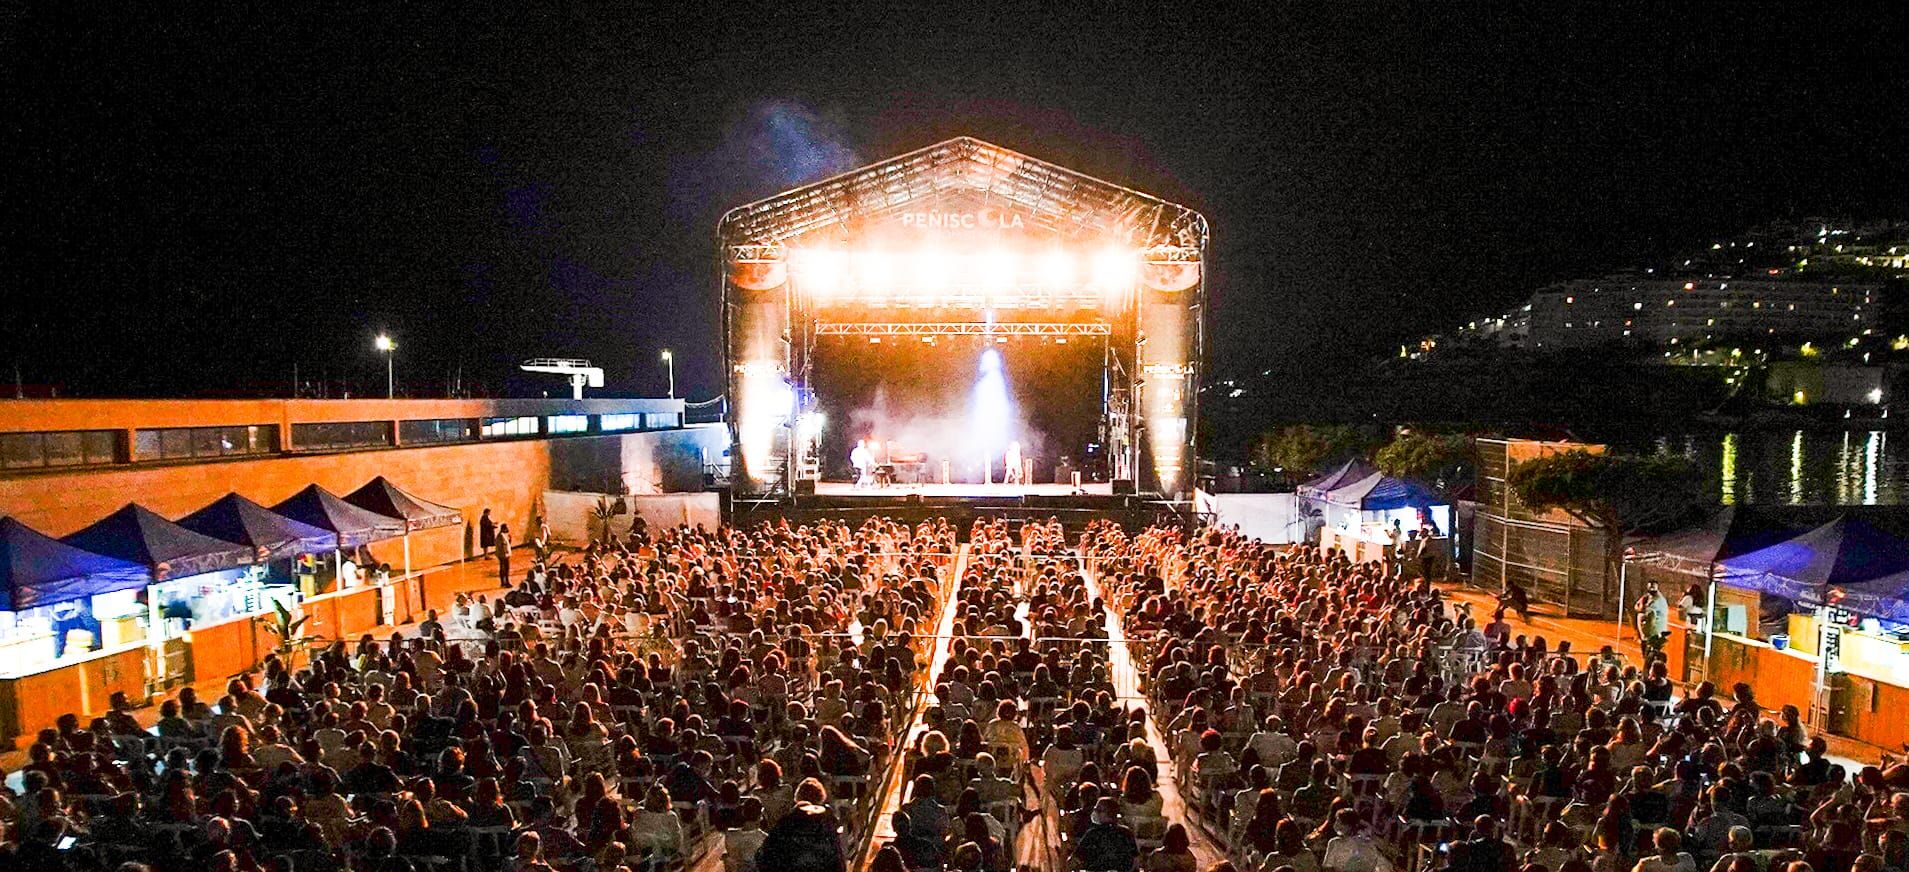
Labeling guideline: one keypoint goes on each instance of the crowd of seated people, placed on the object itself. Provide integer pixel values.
(690, 696)
(1324, 715)
(1029, 752)
(668, 697)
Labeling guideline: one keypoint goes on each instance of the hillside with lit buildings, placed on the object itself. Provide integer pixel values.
(1820, 282)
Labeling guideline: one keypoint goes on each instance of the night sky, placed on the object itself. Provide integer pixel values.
(197, 205)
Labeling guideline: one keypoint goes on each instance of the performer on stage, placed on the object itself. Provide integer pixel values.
(864, 462)
(1013, 471)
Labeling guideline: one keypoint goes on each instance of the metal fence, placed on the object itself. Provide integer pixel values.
(1555, 561)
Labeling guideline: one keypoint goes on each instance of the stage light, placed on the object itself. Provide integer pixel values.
(1057, 270)
(810, 425)
(1115, 270)
(876, 272)
(931, 270)
(996, 271)
(819, 271)
(766, 402)
(992, 412)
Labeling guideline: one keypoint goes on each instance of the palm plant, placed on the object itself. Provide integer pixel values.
(600, 515)
(285, 627)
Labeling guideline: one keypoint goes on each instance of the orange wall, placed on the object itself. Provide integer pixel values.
(1874, 712)
(506, 476)
(1676, 652)
(33, 702)
(1776, 676)
(225, 649)
(36, 415)
(343, 616)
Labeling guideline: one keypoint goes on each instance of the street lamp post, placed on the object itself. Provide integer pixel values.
(669, 361)
(385, 345)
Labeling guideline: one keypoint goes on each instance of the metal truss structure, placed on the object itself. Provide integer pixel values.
(1149, 331)
(962, 328)
(1088, 303)
(1066, 202)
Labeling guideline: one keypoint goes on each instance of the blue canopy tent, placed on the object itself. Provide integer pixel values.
(39, 570)
(1847, 562)
(1869, 566)
(1311, 496)
(139, 535)
(1362, 514)
(381, 496)
(271, 536)
(1381, 499)
(354, 526)
(1886, 598)
(1352, 470)
(1377, 493)
(1730, 532)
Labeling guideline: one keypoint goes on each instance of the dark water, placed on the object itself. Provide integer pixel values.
(1796, 467)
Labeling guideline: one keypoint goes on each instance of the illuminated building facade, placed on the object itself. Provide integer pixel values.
(1678, 311)
(1817, 281)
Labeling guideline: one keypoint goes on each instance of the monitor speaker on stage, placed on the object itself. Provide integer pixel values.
(805, 487)
(1123, 486)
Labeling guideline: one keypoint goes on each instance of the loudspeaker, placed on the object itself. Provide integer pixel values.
(1123, 486)
(805, 487)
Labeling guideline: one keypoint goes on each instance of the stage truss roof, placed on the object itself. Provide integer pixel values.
(962, 328)
(1066, 202)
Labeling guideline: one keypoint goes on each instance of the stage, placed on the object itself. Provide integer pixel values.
(840, 489)
(959, 302)
(962, 504)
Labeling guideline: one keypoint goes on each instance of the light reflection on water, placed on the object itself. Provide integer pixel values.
(1799, 467)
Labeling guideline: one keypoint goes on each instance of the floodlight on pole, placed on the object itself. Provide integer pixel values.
(383, 343)
(669, 361)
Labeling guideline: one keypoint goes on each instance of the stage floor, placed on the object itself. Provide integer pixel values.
(848, 489)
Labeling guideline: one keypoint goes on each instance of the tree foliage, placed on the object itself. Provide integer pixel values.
(1618, 493)
(1435, 456)
(1623, 493)
(1302, 449)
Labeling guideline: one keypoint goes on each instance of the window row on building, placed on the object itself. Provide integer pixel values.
(63, 448)
(82, 448)
(180, 443)
(1589, 312)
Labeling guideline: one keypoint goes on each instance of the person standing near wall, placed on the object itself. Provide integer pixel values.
(1653, 621)
(503, 553)
(486, 532)
(542, 542)
(1692, 605)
